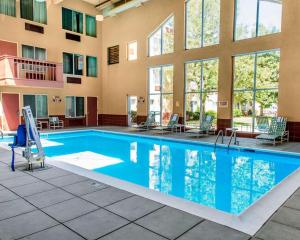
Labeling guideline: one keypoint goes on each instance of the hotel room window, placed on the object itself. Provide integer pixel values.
(91, 66)
(255, 90)
(202, 23)
(161, 93)
(162, 40)
(132, 51)
(74, 106)
(73, 64)
(255, 18)
(8, 7)
(201, 90)
(72, 20)
(33, 52)
(34, 10)
(90, 26)
(38, 105)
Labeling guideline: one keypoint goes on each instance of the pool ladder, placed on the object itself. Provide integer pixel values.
(220, 133)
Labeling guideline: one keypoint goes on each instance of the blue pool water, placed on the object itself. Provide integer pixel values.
(229, 181)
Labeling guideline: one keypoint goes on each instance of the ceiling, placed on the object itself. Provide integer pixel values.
(94, 2)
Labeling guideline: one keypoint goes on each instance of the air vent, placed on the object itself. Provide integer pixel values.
(74, 80)
(34, 28)
(73, 37)
(113, 55)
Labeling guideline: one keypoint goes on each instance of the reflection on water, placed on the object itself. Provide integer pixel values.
(228, 181)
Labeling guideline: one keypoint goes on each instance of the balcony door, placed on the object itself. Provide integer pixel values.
(92, 112)
(11, 108)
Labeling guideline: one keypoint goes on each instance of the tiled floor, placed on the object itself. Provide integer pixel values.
(58, 205)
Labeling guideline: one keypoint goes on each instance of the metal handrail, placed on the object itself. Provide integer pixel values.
(220, 133)
(233, 135)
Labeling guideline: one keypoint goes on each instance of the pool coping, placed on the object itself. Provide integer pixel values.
(249, 221)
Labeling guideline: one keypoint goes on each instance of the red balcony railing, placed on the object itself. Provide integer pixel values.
(15, 71)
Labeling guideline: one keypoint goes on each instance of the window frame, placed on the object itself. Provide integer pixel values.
(160, 28)
(46, 10)
(15, 10)
(127, 50)
(256, 25)
(201, 91)
(83, 21)
(73, 70)
(35, 100)
(254, 90)
(87, 72)
(34, 51)
(161, 94)
(202, 27)
(75, 112)
(87, 16)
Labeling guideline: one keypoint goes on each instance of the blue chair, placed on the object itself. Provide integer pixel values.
(19, 141)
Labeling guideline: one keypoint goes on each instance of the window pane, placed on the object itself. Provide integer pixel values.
(27, 51)
(245, 19)
(155, 80)
(79, 106)
(244, 72)
(68, 63)
(155, 43)
(267, 72)
(193, 76)
(91, 26)
(167, 79)
(27, 9)
(243, 110)
(8, 7)
(132, 51)
(78, 64)
(210, 75)
(40, 54)
(266, 106)
(154, 106)
(192, 109)
(42, 106)
(29, 100)
(70, 106)
(193, 24)
(211, 30)
(270, 13)
(77, 22)
(91, 66)
(40, 11)
(167, 108)
(210, 105)
(168, 36)
(67, 19)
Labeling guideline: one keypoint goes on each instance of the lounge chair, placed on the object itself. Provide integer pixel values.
(171, 125)
(262, 124)
(145, 126)
(205, 127)
(55, 123)
(277, 132)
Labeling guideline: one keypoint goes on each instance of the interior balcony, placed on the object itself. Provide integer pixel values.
(24, 72)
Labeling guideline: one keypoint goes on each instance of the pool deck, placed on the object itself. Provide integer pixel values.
(52, 203)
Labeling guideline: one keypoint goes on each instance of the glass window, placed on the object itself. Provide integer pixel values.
(91, 26)
(72, 20)
(255, 95)
(257, 18)
(162, 40)
(132, 51)
(161, 93)
(8, 7)
(202, 23)
(74, 106)
(73, 63)
(34, 10)
(201, 91)
(33, 52)
(38, 105)
(91, 66)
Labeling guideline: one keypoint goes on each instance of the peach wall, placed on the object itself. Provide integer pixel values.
(136, 24)
(55, 43)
